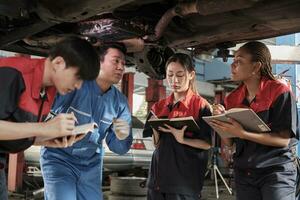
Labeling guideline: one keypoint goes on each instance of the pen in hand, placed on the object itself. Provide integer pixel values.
(74, 117)
(153, 115)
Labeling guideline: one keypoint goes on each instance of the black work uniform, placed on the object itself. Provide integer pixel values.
(177, 171)
(264, 172)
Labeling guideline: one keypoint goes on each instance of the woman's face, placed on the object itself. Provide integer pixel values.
(242, 67)
(178, 77)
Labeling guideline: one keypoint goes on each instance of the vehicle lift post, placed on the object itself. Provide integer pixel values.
(127, 87)
(154, 92)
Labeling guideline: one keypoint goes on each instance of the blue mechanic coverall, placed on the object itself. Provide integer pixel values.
(75, 173)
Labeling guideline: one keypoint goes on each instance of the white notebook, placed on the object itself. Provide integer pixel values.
(245, 116)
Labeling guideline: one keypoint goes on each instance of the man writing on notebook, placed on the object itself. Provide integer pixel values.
(27, 91)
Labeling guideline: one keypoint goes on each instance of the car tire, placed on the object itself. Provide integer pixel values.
(118, 197)
(134, 186)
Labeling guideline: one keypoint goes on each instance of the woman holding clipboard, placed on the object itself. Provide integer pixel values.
(179, 161)
(263, 162)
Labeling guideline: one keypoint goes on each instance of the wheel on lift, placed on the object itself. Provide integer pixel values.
(131, 186)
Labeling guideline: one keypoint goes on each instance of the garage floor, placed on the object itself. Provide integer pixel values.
(208, 193)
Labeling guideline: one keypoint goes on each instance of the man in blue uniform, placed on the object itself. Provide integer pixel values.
(75, 173)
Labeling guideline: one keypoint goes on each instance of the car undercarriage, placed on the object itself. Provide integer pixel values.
(150, 29)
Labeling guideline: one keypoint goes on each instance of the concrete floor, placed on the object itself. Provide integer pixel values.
(208, 193)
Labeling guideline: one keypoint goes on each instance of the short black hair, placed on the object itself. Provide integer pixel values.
(79, 53)
(102, 49)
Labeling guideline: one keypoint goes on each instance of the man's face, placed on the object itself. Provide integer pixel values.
(113, 66)
(65, 79)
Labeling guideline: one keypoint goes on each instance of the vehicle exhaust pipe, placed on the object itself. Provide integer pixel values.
(134, 44)
(202, 7)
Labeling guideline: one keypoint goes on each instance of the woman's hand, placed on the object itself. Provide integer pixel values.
(177, 133)
(233, 127)
(155, 138)
(217, 109)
